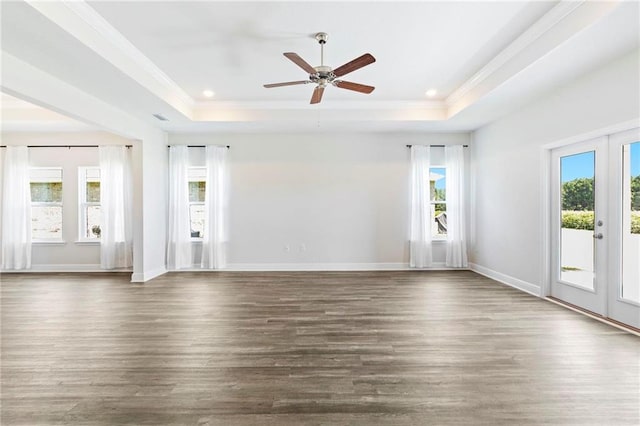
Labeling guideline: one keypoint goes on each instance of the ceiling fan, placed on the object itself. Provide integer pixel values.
(324, 75)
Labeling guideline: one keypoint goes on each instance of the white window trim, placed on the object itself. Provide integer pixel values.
(196, 203)
(49, 241)
(437, 237)
(82, 205)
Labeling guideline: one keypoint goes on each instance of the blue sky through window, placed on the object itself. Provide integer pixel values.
(582, 165)
(577, 166)
(440, 183)
(635, 159)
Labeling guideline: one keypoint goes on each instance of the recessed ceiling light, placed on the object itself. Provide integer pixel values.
(208, 93)
(431, 93)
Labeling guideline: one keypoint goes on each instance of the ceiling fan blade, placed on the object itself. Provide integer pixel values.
(356, 87)
(300, 62)
(317, 95)
(357, 63)
(288, 83)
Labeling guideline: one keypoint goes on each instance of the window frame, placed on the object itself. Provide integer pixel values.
(432, 204)
(190, 179)
(48, 204)
(83, 204)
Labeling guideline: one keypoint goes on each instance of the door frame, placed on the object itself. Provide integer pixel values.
(545, 192)
(595, 300)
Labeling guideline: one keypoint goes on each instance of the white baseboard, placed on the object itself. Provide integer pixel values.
(66, 267)
(242, 267)
(315, 267)
(506, 279)
(286, 267)
(140, 277)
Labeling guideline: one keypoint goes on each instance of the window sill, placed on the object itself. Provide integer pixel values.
(438, 240)
(87, 243)
(49, 242)
(197, 240)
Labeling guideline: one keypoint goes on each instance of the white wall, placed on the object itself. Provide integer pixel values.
(508, 162)
(337, 200)
(70, 255)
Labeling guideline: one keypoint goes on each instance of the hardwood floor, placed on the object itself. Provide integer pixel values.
(334, 348)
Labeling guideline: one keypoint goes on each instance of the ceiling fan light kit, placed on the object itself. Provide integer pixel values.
(323, 75)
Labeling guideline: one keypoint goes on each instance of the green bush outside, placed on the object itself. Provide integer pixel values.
(585, 220)
(577, 220)
(635, 222)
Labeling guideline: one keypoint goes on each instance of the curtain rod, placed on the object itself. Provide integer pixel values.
(63, 146)
(199, 146)
(439, 146)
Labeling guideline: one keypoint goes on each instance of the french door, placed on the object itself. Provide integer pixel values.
(596, 226)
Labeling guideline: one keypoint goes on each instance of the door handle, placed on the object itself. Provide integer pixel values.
(598, 236)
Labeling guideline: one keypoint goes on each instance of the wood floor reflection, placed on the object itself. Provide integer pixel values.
(334, 348)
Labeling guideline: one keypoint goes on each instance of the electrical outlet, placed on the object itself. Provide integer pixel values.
(287, 248)
(303, 247)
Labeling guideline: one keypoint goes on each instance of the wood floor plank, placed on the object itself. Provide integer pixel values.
(320, 348)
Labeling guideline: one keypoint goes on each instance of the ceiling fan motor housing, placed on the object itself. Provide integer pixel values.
(323, 75)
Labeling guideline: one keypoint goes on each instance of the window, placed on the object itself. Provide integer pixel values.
(197, 187)
(46, 204)
(90, 212)
(438, 200)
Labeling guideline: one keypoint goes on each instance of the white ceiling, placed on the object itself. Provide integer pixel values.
(484, 58)
(233, 48)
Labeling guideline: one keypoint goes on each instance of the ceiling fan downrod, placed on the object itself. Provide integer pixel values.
(324, 74)
(322, 39)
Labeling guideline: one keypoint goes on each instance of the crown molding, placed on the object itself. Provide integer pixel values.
(538, 29)
(325, 105)
(83, 22)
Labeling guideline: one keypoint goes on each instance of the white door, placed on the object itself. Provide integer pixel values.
(596, 226)
(624, 244)
(579, 224)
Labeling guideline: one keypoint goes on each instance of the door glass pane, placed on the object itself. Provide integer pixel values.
(577, 174)
(631, 222)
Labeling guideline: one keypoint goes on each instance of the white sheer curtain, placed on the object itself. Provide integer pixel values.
(456, 215)
(213, 244)
(179, 253)
(116, 201)
(16, 209)
(420, 238)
